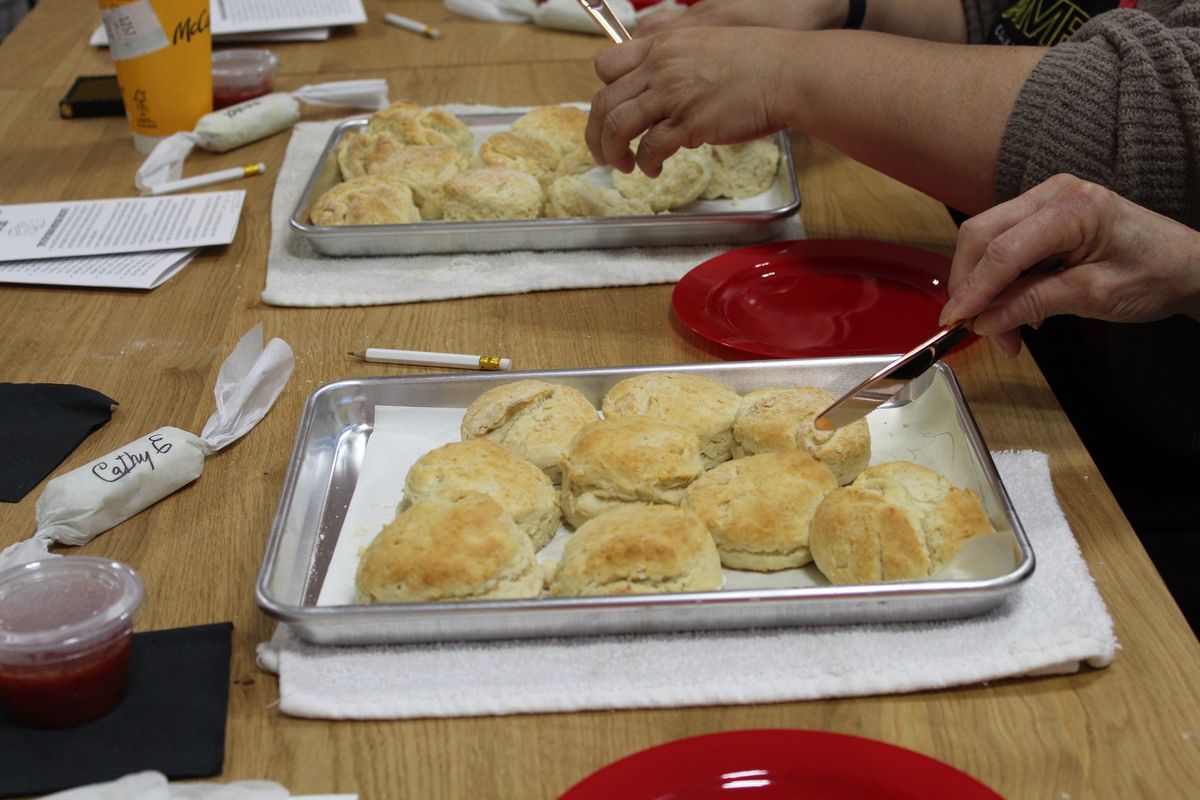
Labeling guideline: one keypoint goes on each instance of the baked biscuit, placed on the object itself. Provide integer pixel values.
(506, 149)
(897, 521)
(632, 461)
(742, 170)
(409, 123)
(759, 508)
(700, 404)
(684, 177)
(573, 196)
(468, 548)
(424, 167)
(491, 193)
(534, 419)
(561, 129)
(776, 419)
(638, 550)
(366, 200)
(478, 465)
(354, 150)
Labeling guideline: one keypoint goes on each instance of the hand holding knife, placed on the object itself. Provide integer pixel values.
(886, 383)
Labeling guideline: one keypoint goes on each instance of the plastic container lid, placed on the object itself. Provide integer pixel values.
(65, 606)
(237, 71)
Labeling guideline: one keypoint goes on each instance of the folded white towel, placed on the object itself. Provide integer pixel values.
(1052, 624)
(298, 276)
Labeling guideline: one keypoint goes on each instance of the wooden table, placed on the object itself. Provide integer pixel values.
(1126, 731)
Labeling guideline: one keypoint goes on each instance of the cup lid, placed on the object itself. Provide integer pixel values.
(65, 603)
(234, 67)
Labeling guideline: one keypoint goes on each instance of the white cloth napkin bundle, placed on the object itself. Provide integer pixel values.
(565, 15)
(152, 785)
(1051, 625)
(299, 276)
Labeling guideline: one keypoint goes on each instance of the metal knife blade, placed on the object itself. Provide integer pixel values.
(882, 386)
(606, 20)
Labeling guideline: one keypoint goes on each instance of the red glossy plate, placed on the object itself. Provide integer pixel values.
(815, 298)
(778, 764)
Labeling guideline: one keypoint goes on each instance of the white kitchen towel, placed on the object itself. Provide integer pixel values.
(299, 276)
(1051, 625)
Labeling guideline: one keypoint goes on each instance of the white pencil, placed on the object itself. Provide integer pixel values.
(208, 178)
(422, 359)
(411, 25)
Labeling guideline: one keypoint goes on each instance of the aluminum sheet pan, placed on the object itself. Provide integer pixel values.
(751, 219)
(934, 428)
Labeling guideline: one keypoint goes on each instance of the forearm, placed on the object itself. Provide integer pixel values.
(929, 114)
(934, 20)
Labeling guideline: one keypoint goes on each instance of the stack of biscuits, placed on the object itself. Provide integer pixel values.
(413, 164)
(674, 477)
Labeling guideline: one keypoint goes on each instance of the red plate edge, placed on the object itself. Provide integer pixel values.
(720, 299)
(778, 763)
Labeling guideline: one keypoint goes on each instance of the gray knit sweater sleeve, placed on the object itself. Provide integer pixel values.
(1118, 104)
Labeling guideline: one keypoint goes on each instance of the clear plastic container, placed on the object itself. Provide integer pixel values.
(66, 635)
(240, 75)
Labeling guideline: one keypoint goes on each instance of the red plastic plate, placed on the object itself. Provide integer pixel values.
(778, 764)
(815, 298)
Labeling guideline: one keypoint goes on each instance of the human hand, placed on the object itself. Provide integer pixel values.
(796, 15)
(1124, 263)
(685, 88)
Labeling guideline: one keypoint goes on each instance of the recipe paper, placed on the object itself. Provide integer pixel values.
(124, 271)
(120, 225)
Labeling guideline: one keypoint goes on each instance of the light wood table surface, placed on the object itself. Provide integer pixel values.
(1127, 731)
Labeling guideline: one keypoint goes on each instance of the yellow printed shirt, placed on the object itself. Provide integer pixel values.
(1045, 23)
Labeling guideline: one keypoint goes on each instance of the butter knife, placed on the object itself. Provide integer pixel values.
(602, 14)
(883, 385)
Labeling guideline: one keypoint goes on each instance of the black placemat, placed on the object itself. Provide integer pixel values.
(40, 425)
(172, 720)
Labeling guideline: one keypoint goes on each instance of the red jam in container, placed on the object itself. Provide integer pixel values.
(66, 633)
(240, 75)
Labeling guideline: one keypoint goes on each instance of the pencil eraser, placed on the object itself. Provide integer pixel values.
(506, 363)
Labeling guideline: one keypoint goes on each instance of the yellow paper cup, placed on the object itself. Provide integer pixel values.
(162, 50)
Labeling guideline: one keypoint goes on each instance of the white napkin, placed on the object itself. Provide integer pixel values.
(79, 505)
(565, 15)
(1051, 625)
(229, 128)
(151, 785)
(298, 276)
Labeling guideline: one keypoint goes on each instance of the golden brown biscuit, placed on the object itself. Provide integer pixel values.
(561, 129)
(534, 419)
(366, 200)
(897, 521)
(506, 149)
(491, 193)
(742, 170)
(759, 508)
(702, 405)
(631, 461)
(638, 550)
(775, 419)
(468, 548)
(409, 123)
(573, 196)
(478, 465)
(424, 167)
(684, 177)
(354, 149)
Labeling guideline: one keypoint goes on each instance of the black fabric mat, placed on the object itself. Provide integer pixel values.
(172, 720)
(40, 425)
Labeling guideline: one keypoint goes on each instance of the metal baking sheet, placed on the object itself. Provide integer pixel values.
(751, 219)
(933, 427)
